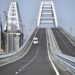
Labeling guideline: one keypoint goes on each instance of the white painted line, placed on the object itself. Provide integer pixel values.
(20, 69)
(57, 73)
(31, 59)
(24, 66)
(16, 72)
(52, 37)
(55, 69)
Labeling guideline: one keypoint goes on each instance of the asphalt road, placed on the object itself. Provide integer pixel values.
(64, 44)
(35, 62)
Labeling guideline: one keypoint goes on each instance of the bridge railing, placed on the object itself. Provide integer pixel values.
(67, 61)
(53, 40)
(67, 34)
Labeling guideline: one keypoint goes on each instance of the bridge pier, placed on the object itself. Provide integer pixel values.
(13, 28)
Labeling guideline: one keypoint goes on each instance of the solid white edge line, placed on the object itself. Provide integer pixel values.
(55, 69)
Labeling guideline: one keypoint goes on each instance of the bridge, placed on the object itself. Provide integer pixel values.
(53, 55)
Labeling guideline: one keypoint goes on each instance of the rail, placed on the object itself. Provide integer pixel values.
(69, 36)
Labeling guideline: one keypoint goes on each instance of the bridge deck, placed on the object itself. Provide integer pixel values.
(35, 62)
(64, 44)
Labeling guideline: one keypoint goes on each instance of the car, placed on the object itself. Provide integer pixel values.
(35, 40)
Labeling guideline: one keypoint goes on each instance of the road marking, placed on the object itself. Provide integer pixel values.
(20, 69)
(16, 72)
(57, 73)
(55, 69)
(24, 66)
(32, 59)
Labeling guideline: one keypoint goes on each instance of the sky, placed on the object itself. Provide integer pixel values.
(29, 10)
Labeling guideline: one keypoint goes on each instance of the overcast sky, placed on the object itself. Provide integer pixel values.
(29, 10)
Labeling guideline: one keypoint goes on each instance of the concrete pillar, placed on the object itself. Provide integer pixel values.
(16, 42)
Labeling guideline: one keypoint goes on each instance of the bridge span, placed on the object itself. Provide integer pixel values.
(63, 42)
(36, 61)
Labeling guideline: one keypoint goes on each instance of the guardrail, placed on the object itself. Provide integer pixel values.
(50, 51)
(20, 53)
(53, 41)
(67, 61)
(71, 38)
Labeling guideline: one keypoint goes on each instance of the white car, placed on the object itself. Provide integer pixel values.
(35, 40)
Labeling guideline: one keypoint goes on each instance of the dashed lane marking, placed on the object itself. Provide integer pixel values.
(16, 72)
(20, 69)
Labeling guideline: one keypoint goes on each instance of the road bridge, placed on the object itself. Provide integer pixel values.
(64, 44)
(35, 62)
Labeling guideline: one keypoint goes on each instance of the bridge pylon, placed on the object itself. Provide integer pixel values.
(13, 27)
(47, 14)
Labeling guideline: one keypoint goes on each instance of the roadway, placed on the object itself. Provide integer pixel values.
(35, 62)
(64, 44)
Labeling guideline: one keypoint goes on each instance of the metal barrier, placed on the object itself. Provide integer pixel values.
(67, 63)
(69, 36)
(53, 41)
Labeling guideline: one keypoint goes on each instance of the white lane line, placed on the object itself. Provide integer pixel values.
(16, 72)
(55, 69)
(65, 44)
(24, 66)
(57, 73)
(20, 69)
(31, 59)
